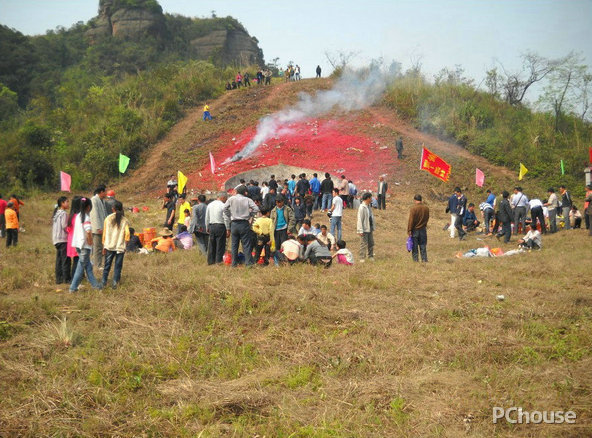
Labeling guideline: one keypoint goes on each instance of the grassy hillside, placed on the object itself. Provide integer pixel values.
(389, 348)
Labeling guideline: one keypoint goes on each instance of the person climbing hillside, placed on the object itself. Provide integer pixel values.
(206, 113)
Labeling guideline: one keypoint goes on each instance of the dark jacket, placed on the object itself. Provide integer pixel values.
(269, 201)
(469, 218)
(505, 213)
(299, 212)
(273, 184)
(302, 186)
(327, 186)
(452, 203)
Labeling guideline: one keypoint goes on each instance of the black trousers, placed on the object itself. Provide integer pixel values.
(520, 218)
(382, 202)
(420, 242)
(240, 231)
(262, 242)
(458, 226)
(62, 265)
(2, 225)
(506, 231)
(11, 237)
(217, 243)
(537, 214)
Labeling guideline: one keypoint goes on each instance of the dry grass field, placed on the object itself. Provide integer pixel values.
(389, 348)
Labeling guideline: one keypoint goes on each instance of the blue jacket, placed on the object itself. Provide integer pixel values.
(469, 218)
(452, 203)
(315, 185)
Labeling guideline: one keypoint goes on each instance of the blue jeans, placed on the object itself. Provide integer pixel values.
(118, 266)
(207, 116)
(336, 223)
(84, 265)
(326, 201)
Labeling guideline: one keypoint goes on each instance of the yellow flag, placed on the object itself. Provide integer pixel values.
(181, 181)
(523, 171)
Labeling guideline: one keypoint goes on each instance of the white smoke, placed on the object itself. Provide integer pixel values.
(354, 90)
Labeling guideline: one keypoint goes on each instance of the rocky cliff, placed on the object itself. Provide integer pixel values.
(136, 19)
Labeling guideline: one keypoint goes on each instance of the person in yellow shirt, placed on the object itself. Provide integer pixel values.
(12, 224)
(184, 205)
(206, 114)
(262, 228)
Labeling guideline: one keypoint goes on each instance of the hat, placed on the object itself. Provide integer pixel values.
(166, 232)
(111, 193)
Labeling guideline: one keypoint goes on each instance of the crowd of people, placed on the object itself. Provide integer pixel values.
(264, 75)
(516, 212)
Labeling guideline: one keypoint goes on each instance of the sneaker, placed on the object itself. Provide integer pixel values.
(462, 237)
(114, 286)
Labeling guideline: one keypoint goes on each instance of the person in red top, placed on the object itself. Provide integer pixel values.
(2, 219)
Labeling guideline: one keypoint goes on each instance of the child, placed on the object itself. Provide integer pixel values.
(184, 238)
(70, 250)
(12, 225)
(299, 212)
(134, 244)
(343, 255)
(187, 218)
(115, 235)
(262, 228)
(164, 243)
(82, 240)
(60, 240)
(316, 229)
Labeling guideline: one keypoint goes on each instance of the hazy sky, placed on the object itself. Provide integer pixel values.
(443, 33)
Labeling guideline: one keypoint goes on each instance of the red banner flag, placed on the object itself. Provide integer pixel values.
(65, 181)
(590, 154)
(435, 165)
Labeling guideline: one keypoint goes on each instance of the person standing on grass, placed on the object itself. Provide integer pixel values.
(315, 188)
(382, 189)
(169, 204)
(2, 219)
(552, 205)
(536, 214)
(399, 147)
(116, 234)
(60, 240)
(326, 192)
(461, 206)
(240, 209)
(565, 205)
(183, 205)
(318, 71)
(97, 219)
(488, 214)
(336, 213)
(302, 186)
(70, 250)
(343, 190)
(83, 242)
(283, 224)
(505, 215)
(217, 227)
(16, 205)
(262, 228)
(12, 225)
(365, 228)
(419, 215)
(520, 205)
(451, 208)
(588, 209)
(198, 224)
(206, 113)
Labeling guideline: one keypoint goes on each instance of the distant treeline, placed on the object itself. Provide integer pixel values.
(496, 125)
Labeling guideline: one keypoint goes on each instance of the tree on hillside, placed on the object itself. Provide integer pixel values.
(561, 93)
(514, 85)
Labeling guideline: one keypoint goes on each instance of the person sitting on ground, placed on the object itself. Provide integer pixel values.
(326, 238)
(184, 238)
(262, 228)
(306, 228)
(316, 229)
(134, 244)
(532, 239)
(343, 255)
(228, 86)
(575, 217)
(469, 219)
(165, 243)
(317, 253)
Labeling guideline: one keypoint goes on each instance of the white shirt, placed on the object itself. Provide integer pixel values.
(215, 214)
(80, 230)
(264, 191)
(535, 203)
(535, 235)
(338, 204)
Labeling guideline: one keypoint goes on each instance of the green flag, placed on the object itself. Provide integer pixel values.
(123, 163)
(562, 168)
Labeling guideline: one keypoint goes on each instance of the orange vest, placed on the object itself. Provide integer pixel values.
(11, 219)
